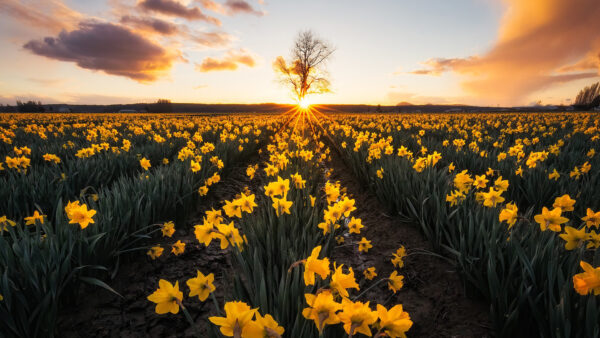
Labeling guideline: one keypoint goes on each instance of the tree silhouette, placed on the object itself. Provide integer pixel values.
(305, 72)
(588, 97)
(162, 106)
(30, 107)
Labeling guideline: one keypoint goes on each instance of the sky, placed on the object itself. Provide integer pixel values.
(480, 52)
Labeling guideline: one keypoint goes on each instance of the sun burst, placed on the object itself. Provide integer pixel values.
(304, 103)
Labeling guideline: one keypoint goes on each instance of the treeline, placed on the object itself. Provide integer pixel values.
(160, 106)
(24, 107)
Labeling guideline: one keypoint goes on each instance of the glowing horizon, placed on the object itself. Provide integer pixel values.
(475, 52)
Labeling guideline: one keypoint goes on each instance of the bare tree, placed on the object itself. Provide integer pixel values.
(305, 73)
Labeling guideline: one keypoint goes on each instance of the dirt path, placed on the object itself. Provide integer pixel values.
(432, 293)
(102, 314)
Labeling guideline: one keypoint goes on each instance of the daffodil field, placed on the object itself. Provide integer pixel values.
(511, 203)
(512, 198)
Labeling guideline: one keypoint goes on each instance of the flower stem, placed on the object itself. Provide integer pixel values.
(214, 299)
(369, 288)
(187, 314)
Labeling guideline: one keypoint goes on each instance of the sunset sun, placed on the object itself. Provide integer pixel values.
(304, 103)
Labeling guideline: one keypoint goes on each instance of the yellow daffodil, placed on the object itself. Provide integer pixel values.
(370, 273)
(145, 163)
(592, 219)
(204, 233)
(356, 317)
(37, 217)
(564, 202)
(195, 166)
(201, 285)
(364, 245)
(203, 190)
(587, 281)
(573, 237)
(480, 182)
(281, 206)
(229, 234)
(322, 309)
(237, 316)
(509, 214)
(263, 327)
(395, 281)
(246, 203)
(554, 175)
(155, 252)
(167, 297)
(4, 221)
(398, 257)
(168, 229)
(355, 225)
(394, 322)
(81, 215)
(551, 219)
(232, 209)
(313, 265)
(492, 198)
(340, 282)
(178, 248)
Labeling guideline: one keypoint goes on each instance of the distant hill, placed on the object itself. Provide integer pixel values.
(403, 103)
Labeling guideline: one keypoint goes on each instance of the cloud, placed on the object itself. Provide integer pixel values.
(152, 25)
(231, 7)
(213, 6)
(52, 14)
(215, 39)
(109, 48)
(230, 61)
(175, 8)
(212, 39)
(241, 6)
(538, 42)
(438, 66)
(590, 61)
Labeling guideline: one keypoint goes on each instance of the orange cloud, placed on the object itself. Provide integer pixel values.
(212, 39)
(109, 48)
(175, 8)
(230, 61)
(231, 7)
(52, 15)
(540, 43)
(590, 61)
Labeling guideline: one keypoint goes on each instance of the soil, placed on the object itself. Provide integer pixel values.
(433, 293)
